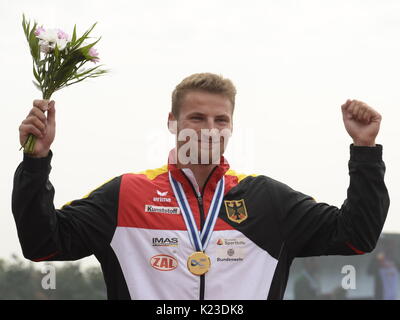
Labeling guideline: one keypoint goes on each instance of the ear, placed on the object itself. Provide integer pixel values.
(172, 123)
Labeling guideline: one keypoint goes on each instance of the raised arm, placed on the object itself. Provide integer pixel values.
(80, 228)
(311, 228)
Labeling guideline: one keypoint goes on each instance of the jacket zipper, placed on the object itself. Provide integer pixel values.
(202, 220)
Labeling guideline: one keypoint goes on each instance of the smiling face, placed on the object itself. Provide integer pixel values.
(203, 126)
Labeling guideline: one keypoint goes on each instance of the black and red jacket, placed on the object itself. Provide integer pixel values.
(134, 227)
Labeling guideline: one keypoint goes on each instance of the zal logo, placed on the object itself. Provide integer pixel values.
(160, 197)
(165, 242)
(163, 262)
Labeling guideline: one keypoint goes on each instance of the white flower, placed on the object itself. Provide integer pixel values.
(45, 46)
(49, 39)
(61, 44)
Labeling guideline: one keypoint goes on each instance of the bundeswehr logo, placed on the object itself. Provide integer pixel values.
(236, 210)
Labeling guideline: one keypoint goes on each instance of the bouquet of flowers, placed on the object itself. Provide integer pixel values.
(58, 61)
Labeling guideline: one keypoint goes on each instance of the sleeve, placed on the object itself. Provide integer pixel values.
(310, 228)
(80, 228)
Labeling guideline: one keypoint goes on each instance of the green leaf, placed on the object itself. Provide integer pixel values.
(84, 37)
(24, 23)
(42, 62)
(36, 74)
(78, 75)
(25, 26)
(74, 35)
(68, 67)
(85, 50)
(34, 46)
(56, 52)
(33, 41)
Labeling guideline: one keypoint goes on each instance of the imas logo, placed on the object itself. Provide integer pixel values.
(165, 242)
(163, 262)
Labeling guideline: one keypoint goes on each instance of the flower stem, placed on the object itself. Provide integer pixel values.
(29, 145)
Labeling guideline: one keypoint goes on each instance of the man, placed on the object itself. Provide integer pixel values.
(384, 267)
(194, 229)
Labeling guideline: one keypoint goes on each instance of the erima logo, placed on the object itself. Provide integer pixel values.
(165, 242)
(160, 197)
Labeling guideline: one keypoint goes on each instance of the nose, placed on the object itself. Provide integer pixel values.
(210, 124)
(209, 133)
(207, 130)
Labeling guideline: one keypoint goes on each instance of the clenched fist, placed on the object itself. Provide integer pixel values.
(361, 122)
(40, 125)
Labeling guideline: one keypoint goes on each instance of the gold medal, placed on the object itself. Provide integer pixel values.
(198, 263)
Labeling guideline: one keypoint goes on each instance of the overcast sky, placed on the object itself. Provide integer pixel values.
(293, 62)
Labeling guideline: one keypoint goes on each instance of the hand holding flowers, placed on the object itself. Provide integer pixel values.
(58, 61)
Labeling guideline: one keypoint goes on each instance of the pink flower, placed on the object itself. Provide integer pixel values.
(62, 35)
(39, 30)
(93, 53)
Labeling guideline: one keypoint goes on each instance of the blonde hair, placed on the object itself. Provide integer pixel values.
(208, 82)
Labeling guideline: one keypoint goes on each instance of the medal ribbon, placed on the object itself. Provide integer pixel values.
(199, 241)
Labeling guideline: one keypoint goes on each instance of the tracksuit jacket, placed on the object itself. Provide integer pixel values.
(135, 228)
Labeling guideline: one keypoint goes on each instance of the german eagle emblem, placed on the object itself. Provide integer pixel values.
(236, 210)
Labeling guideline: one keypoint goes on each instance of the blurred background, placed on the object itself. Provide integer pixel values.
(294, 62)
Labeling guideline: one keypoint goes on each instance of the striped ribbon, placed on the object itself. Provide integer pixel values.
(199, 240)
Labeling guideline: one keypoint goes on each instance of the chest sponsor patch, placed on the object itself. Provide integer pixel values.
(158, 209)
(165, 242)
(163, 262)
(230, 254)
(161, 197)
(231, 242)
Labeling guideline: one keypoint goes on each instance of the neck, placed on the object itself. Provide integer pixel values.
(200, 172)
